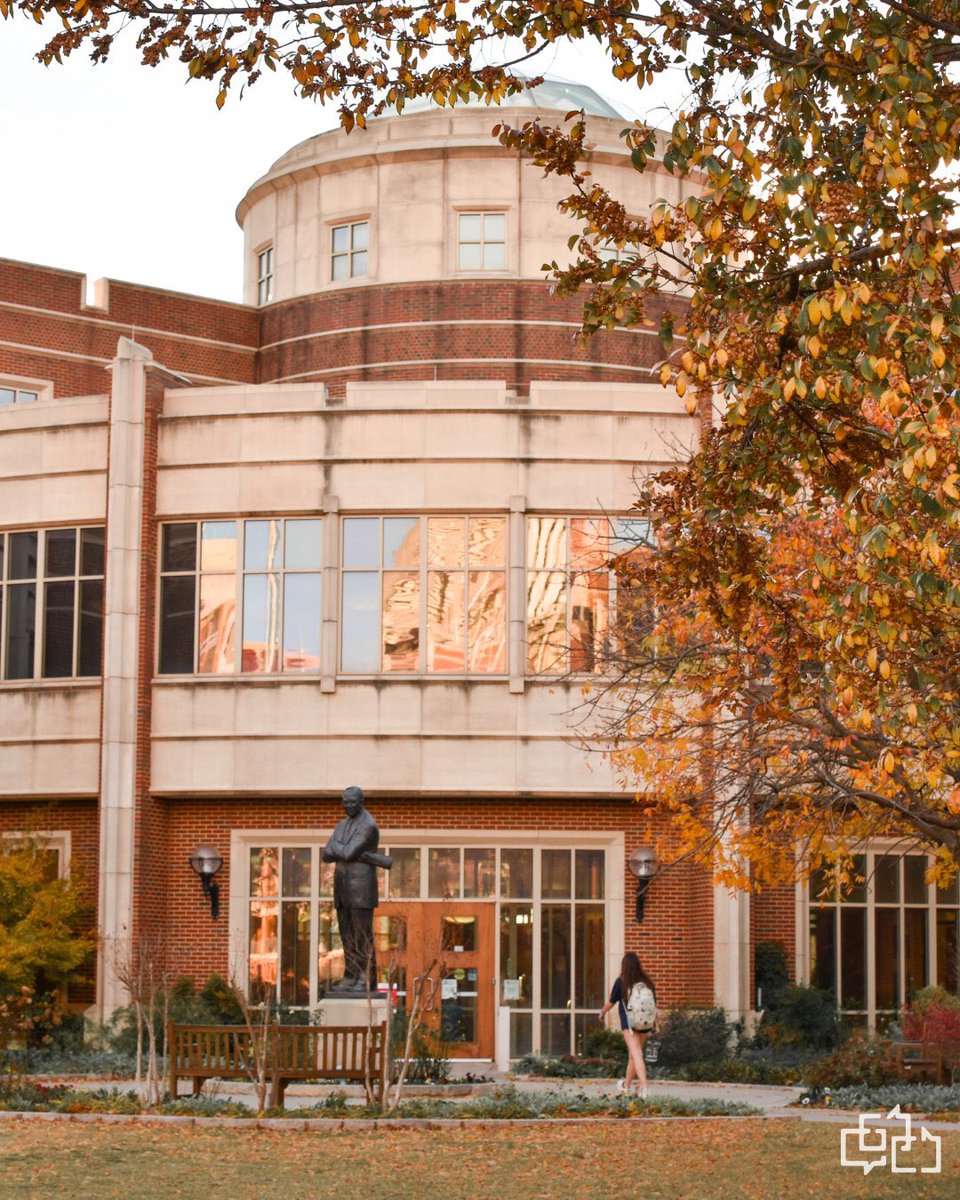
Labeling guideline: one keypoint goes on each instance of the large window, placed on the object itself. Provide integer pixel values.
(549, 932)
(570, 588)
(481, 241)
(241, 596)
(51, 603)
(884, 936)
(424, 594)
(348, 250)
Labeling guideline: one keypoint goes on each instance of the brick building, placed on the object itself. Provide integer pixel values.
(353, 531)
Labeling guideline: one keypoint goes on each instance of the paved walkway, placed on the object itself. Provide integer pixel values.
(772, 1102)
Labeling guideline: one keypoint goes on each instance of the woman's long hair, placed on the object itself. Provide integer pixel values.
(631, 972)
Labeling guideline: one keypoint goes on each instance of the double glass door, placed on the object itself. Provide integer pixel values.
(444, 952)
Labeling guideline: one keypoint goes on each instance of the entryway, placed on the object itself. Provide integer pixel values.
(449, 948)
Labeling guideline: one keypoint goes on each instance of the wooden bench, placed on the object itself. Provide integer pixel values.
(353, 1053)
(921, 1059)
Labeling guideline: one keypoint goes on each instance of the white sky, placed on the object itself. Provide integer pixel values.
(127, 172)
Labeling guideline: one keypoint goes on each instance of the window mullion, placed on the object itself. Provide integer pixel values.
(197, 581)
(39, 624)
(869, 957)
(77, 591)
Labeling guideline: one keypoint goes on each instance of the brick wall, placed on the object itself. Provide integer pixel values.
(773, 919)
(447, 327)
(675, 941)
(47, 332)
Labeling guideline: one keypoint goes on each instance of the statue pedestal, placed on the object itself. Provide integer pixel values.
(337, 1011)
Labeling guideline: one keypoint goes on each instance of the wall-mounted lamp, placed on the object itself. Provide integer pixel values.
(206, 862)
(643, 864)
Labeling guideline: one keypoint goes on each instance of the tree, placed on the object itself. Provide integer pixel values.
(41, 946)
(808, 582)
(41, 942)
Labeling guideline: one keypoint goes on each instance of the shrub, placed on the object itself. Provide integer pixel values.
(605, 1044)
(864, 1061)
(699, 1036)
(804, 1016)
(770, 973)
(933, 1016)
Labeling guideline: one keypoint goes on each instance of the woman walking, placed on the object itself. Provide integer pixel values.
(631, 973)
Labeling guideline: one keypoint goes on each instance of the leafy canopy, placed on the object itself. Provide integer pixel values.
(800, 674)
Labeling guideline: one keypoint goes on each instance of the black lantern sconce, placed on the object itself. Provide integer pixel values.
(206, 862)
(643, 865)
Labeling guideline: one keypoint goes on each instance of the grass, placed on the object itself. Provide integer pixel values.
(722, 1160)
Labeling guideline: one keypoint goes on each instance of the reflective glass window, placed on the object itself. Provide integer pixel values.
(218, 546)
(217, 624)
(251, 572)
(443, 873)
(442, 594)
(405, 872)
(516, 872)
(479, 872)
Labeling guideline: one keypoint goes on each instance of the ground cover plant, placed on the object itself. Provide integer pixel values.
(722, 1159)
(926, 1098)
(505, 1103)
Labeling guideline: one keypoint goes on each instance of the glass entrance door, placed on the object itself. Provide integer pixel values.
(446, 952)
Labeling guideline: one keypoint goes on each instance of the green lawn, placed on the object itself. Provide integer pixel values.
(710, 1160)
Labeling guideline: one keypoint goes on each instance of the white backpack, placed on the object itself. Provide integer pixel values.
(641, 1008)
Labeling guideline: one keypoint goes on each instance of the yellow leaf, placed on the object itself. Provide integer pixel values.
(908, 469)
(813, 311)
(872, 659)
(820, 387)
(912, 713)
(938, 357)
(691, 404)
(931, 455)
(884, 670)
(936, 325)
(665, 374)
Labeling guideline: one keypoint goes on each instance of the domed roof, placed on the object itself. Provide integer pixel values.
(561, 94)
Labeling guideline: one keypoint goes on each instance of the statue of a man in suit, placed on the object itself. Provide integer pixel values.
(353, 847)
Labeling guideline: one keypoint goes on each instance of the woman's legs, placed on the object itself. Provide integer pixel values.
(636, 1067)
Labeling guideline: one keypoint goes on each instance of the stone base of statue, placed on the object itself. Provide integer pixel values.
(338, 1011)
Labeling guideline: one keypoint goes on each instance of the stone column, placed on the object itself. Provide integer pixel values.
(731, 951)
(121, 628)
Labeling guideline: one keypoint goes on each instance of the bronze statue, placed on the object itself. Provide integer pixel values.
(353, 847)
